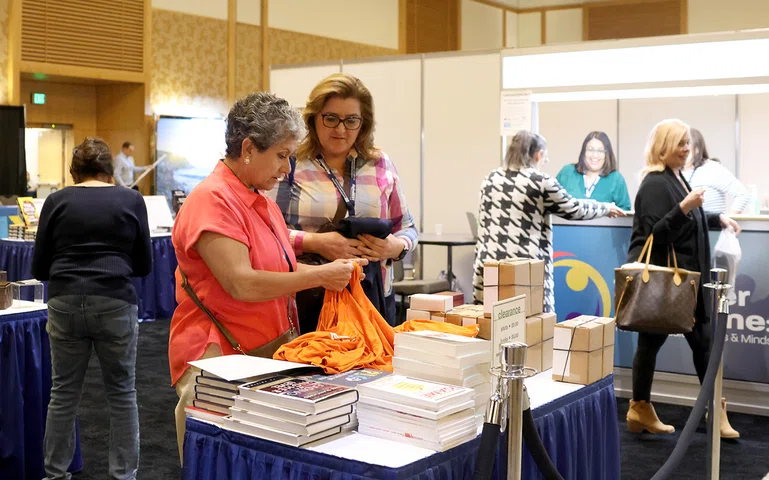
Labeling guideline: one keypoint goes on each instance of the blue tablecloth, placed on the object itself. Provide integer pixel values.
(156, 292)
(579, 430)
(25, 389)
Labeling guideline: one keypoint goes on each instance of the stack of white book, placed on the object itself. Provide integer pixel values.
(445, 358)
(421, 413)
(290, 410)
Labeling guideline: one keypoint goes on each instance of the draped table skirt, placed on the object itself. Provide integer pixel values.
(579, 431)
(25, 390)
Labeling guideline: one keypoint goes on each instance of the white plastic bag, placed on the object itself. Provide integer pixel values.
(727, 253)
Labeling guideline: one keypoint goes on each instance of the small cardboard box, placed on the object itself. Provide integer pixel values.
(454, 318)
(412, 314)
(547, 354)
(438, 317)
(608, 361)
(537, 300)
(490, 297)
(534, 357)
(469, 320)
(514, 272)
(608, 329)
(548, 325)
(459, 297)
(490, 274)
(579, 334)
(484, 327)
(431, 303)
(537, 272)
(533, 331)
(582, 368)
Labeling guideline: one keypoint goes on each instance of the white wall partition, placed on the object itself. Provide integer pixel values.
(565, 125)
(396, 88)
(294, 84)
(462, 145)
(714, 116)
(753, 166)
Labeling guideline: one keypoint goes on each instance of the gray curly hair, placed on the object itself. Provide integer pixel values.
(263, 118)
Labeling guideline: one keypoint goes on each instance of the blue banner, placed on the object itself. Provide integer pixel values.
(584, 261)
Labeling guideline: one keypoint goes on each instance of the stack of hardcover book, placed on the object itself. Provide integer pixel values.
(421, 413)
(291, 410)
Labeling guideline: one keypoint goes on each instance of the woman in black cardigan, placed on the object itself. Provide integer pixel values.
(667, 207)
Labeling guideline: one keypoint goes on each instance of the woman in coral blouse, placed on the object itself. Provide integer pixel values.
(234, 252)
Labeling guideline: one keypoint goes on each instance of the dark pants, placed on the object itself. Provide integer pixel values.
(645, 360)
(77, 326)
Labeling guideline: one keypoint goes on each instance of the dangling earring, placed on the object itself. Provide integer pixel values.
(247, 160)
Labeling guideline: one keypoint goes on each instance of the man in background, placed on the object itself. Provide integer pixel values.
(125, 167)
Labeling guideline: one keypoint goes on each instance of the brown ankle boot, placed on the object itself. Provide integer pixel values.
(726, 428)
(641, 416)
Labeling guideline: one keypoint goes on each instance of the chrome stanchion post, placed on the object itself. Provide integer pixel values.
(509, 400)
(720, 289)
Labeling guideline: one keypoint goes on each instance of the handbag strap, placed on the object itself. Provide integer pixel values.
(648, 251)
(227, 334)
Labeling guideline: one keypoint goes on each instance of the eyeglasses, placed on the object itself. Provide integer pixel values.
(331, 120)
(594, 151)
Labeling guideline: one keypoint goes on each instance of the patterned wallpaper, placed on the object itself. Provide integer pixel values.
(4, 20)
(189, 60)
(248, 59)
(292, 47)
(189, 64)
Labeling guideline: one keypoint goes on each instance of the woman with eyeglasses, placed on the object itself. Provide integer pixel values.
(339, 176)
(595, 174)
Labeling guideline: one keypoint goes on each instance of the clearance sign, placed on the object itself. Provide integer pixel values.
(584, 260)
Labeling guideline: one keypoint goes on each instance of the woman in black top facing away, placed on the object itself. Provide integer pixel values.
(92, 238)
(667, 207)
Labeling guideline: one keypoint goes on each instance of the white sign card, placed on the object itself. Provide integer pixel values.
(508, 324)
(158, 212)
(515, 111)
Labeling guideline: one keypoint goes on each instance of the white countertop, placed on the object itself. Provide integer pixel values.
(25, 307)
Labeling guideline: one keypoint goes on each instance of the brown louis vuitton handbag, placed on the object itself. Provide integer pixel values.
(654, 299)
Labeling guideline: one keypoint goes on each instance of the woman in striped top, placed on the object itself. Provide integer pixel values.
(516, 203)
(701, 171)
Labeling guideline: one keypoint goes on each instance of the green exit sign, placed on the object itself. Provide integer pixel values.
(38, 98)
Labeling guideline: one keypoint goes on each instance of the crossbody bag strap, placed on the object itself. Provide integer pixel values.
(230, 338)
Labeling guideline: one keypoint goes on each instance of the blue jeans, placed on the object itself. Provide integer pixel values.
(76, 324)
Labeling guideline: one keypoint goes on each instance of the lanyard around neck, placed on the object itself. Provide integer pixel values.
(589, 190)
(349, 200)
(689, 180)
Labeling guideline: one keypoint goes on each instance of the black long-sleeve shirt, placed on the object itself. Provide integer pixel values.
(658, 211)
(91, 241)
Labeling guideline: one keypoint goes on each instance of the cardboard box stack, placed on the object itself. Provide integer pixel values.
(540, 330)
(511, 278)
(583, 349)
(430, 306)
(445, 358)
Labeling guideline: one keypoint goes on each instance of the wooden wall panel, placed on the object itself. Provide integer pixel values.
(4, 51)
(633, 18)
(120, 117)
(432, 25)
(105, 34)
